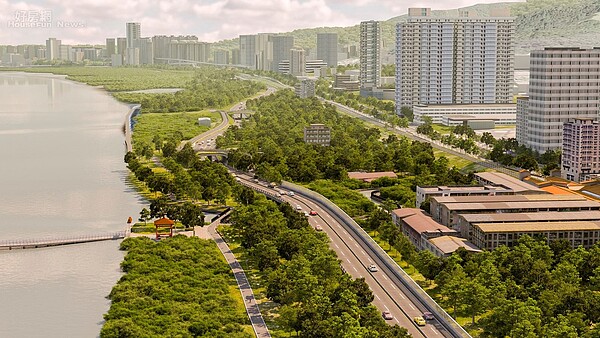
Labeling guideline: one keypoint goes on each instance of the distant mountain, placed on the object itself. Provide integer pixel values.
(538, 23)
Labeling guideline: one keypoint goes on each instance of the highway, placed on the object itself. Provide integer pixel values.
(390, 294)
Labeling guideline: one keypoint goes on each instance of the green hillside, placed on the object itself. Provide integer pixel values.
(538, 23)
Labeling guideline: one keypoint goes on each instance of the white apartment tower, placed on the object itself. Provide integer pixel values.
(581, 150)
(459, 60)
(563, 85)
(297, 61)
(248, 51)
(327, 48)
(370, 54)
(53, 49)
(134, 32)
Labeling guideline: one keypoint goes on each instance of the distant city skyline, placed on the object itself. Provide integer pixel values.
(75, 22)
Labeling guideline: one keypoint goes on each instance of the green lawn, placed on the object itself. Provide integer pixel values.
(121, 78)
(169, 125)
(441, 129)
(456, 161)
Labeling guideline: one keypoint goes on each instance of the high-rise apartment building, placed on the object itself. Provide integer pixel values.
(327, 48)
(134, 32)
(235, 56)
(460, 60)
(305, 88)
(564, 83)
(121, 46)
(370, 54)
(297, 61)
(264, 51)
(189, 50)
(52, 49)
(248, 51)
(110, 47)
(581, 150)
(282, 44)
(221, 57)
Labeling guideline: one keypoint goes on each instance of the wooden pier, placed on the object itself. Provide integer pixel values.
(33, 243)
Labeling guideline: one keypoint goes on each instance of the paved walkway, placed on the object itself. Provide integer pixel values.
(258, 323)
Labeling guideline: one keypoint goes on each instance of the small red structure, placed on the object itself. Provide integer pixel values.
(161, 224)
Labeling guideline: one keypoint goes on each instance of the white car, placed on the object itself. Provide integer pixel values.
(298, 207)
(373, 268)
(290, 193)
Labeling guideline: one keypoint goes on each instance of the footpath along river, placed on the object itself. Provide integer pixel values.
(61, 173)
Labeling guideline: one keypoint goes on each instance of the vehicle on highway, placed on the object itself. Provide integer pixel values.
(298, 207)
(237, 179)
(272, 185)
(318, 228)
(420, 321)
(387, 315)
(373, 268)
(313, 213)
(256, 180)
(428, 316)
(290, 193)
(306, 214)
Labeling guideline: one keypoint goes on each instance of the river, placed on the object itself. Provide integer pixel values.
(61, 173)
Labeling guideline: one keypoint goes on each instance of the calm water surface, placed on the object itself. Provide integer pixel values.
(61, 173)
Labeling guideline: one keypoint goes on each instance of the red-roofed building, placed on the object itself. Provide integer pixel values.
(368, 177)
(419, 227)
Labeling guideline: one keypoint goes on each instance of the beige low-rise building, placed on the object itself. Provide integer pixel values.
(489, 236)
(446, 210)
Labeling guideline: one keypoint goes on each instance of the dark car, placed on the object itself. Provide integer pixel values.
(428, 316)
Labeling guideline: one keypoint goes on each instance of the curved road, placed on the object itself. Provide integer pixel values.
(390, 294)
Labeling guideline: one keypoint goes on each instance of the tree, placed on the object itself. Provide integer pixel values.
(144, 216)
(191, 215)
(158, 207)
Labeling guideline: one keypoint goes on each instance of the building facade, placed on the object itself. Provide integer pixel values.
(221, 57)
(370, 54)
(282, 44)
(581, 150)
(437, 111)
(327, 48)
(297, 62)
(317, 134)
(52, 49)
(248, 51)
(453, 60)
(564, 83)
(305, 88)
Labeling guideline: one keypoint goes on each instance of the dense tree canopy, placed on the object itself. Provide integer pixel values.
(178, 287)
(303, 275)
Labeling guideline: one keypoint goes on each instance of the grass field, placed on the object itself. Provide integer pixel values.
(169, 125)
(121, 78)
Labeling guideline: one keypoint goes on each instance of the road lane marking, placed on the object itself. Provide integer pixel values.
(345, 233)
(354, 268)
(337, 246)
(434, 331)
(393, 287)
(376, 296)
(411, 306)
(363, 252)
(402, 296)
(385, 277)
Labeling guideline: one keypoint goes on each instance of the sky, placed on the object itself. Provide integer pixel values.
(92, 21)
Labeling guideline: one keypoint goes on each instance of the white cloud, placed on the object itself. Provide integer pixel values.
(211, 20)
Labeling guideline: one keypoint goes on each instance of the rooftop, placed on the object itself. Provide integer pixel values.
(449, 244)
(419, 222)
(522, 205)
(539, 226)
(506, 198)
(484, 117)
(507, 181)
(588, 215)
(368, 177)
(462, 188)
